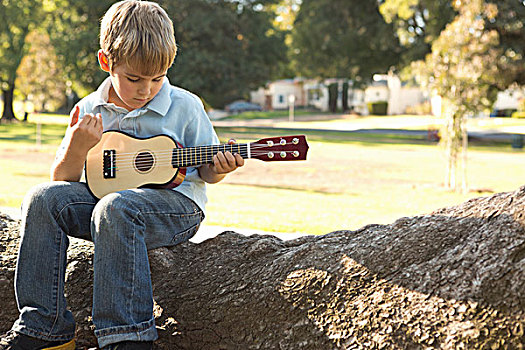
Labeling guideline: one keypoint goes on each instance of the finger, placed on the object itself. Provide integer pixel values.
(230, 160)
(239, 159)
(74, 116)
(87, 119)
(99, 123)
(217, 162)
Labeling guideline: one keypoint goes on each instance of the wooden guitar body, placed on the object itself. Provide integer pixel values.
(139, 163)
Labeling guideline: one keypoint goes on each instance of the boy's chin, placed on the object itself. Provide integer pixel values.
(135, 104)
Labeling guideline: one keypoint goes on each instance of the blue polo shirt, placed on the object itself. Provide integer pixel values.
(173, 111)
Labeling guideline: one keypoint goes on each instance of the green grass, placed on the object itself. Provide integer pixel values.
(346, 186)
(348, 181)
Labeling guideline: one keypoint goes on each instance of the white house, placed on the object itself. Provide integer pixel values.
(314, 93)
(400, 96)
(317, 95)
(276, 95)
(508, 99)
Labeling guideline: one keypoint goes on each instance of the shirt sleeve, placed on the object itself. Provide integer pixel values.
(200, 130)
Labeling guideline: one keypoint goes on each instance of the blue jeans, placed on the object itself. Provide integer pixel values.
(122, 226)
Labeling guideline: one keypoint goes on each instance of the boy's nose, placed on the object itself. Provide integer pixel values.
(145, 89)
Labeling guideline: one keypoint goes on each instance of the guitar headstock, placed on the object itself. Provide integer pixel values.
(281, 148)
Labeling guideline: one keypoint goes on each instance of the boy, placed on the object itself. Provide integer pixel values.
(137, 48)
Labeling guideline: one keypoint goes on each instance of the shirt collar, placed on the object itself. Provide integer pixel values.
(160, 103)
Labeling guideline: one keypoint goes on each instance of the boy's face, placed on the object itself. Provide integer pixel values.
(131, 89)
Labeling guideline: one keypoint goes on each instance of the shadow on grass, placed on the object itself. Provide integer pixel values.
(27, 133)
(297, 189)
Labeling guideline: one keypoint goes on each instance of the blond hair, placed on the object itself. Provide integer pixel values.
(140, 35)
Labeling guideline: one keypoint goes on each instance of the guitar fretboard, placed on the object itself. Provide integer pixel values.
(194, 156)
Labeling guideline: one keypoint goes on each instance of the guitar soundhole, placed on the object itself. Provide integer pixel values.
(144, 162)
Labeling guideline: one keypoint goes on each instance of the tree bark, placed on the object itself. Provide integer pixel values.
(9, 113)
(451, 279)
(333, 92)
(345, 96)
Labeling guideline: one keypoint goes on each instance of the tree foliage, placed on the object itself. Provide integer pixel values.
(417, 23)
(343, 39)
(17, 19)
(509, 23)
(227, 48)
(73, 27)
(45, 90)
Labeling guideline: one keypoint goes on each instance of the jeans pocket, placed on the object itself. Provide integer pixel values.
(185, 235)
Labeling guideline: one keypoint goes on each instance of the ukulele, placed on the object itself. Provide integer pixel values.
(120, 161)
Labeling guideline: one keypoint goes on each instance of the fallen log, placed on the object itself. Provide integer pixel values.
(450, 279)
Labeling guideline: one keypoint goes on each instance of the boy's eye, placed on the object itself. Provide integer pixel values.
(133, 80)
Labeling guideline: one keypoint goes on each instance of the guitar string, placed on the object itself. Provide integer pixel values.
(170, 151)
(128, 156)
(189, 154)
(188, 159)
(168, 161)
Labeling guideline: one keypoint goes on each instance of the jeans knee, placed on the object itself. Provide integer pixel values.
(113, 209)
(43, 196)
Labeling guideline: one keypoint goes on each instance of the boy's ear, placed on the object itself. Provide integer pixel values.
(103, 61)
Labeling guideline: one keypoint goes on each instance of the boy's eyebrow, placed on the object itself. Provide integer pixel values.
(140, 76)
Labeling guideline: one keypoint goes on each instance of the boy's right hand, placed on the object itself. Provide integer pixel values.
(86, 132)
(81, 135)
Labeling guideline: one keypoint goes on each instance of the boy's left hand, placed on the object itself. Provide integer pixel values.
(224, 163)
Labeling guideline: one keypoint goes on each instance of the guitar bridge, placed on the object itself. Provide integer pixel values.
(109, 157)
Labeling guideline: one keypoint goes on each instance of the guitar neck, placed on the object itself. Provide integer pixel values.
(195, 156)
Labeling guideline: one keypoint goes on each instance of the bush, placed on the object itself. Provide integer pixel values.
(424, 108)
(518, 114)
(377, 108)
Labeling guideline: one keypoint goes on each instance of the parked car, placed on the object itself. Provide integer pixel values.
(502, 113)
(242, 106)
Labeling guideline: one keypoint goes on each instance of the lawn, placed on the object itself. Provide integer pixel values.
(347, 182)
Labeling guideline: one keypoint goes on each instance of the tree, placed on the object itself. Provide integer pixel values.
(509, 24)
(44, 90)
(17, 19)
(227, 48)
(73, 27)
(477, 54)
(343, 39)
(417, 24)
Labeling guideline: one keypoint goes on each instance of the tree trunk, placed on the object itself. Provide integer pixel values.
(8, 113)
(333, 92)
(345, 96)
(455, 138)
(451, 279)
